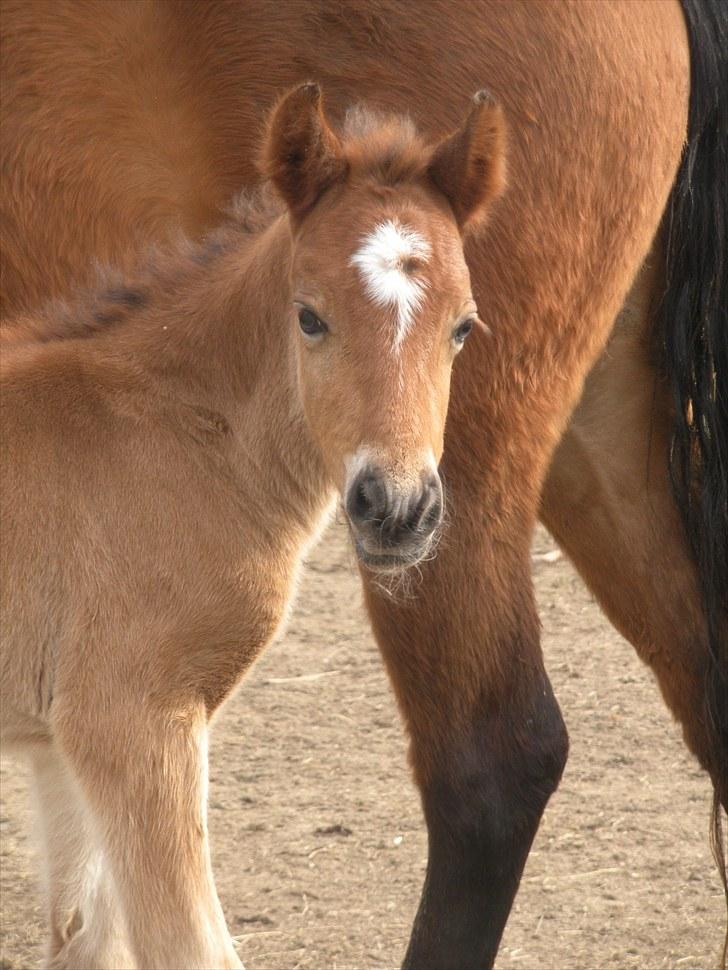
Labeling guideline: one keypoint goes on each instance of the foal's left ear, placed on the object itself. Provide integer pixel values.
(468, 167)
(301, 154)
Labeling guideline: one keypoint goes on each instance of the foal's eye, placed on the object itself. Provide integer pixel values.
(461, 332)
(310, 323)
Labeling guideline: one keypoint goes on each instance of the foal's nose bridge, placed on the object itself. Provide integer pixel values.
(391, 514)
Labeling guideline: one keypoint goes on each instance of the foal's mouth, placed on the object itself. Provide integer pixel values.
(394, 561)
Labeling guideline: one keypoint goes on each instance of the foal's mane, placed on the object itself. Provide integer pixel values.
(116, 296)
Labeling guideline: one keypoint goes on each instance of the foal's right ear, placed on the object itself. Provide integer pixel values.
(301, 155)
(469, 166)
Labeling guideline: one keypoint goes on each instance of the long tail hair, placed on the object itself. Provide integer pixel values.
(693, 327)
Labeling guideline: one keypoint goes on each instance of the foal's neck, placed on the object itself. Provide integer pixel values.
(218, 321)
(223, 341)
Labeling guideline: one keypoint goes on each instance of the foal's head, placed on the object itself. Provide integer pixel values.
(381, 301)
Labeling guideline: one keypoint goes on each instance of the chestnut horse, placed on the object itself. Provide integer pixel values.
(196, 423)
(124, 122)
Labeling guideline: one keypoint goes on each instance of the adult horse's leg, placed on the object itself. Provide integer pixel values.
(588, 184)
(488, 741)
(86, 926)
(608, 502)
(610, 496)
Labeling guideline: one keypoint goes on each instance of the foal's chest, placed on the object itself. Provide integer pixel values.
(245, 627)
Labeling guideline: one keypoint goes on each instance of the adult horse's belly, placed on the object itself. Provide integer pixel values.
(125, 123)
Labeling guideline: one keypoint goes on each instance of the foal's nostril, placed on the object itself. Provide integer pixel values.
(360, 501)
(427, 513)
(432, 517)
(365, 500)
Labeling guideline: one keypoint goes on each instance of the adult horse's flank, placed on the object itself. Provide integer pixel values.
(124, 121)
(169, 450)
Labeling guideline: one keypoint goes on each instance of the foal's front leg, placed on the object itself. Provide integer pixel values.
(87, 931)
(143, 771)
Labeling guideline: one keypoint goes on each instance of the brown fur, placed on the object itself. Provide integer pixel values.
(596, 99)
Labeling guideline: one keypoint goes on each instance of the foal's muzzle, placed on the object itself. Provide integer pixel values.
(393, 527)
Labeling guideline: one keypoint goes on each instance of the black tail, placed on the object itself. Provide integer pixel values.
(693, 324)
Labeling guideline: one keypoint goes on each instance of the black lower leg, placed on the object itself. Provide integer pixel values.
(482, 813)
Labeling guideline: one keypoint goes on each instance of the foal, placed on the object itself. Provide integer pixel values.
(170, 450)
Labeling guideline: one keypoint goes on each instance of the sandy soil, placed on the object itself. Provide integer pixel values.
(318, 840)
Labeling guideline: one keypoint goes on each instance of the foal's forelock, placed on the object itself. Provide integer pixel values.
(390, 261)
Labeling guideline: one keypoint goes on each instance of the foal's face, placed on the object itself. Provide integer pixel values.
(381, 307)
(381, 301)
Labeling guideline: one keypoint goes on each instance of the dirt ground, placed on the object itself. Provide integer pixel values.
(318, 840)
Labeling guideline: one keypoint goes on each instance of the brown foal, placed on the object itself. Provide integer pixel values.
(170, 448)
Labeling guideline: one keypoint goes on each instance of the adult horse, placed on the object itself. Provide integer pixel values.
(124, 121)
